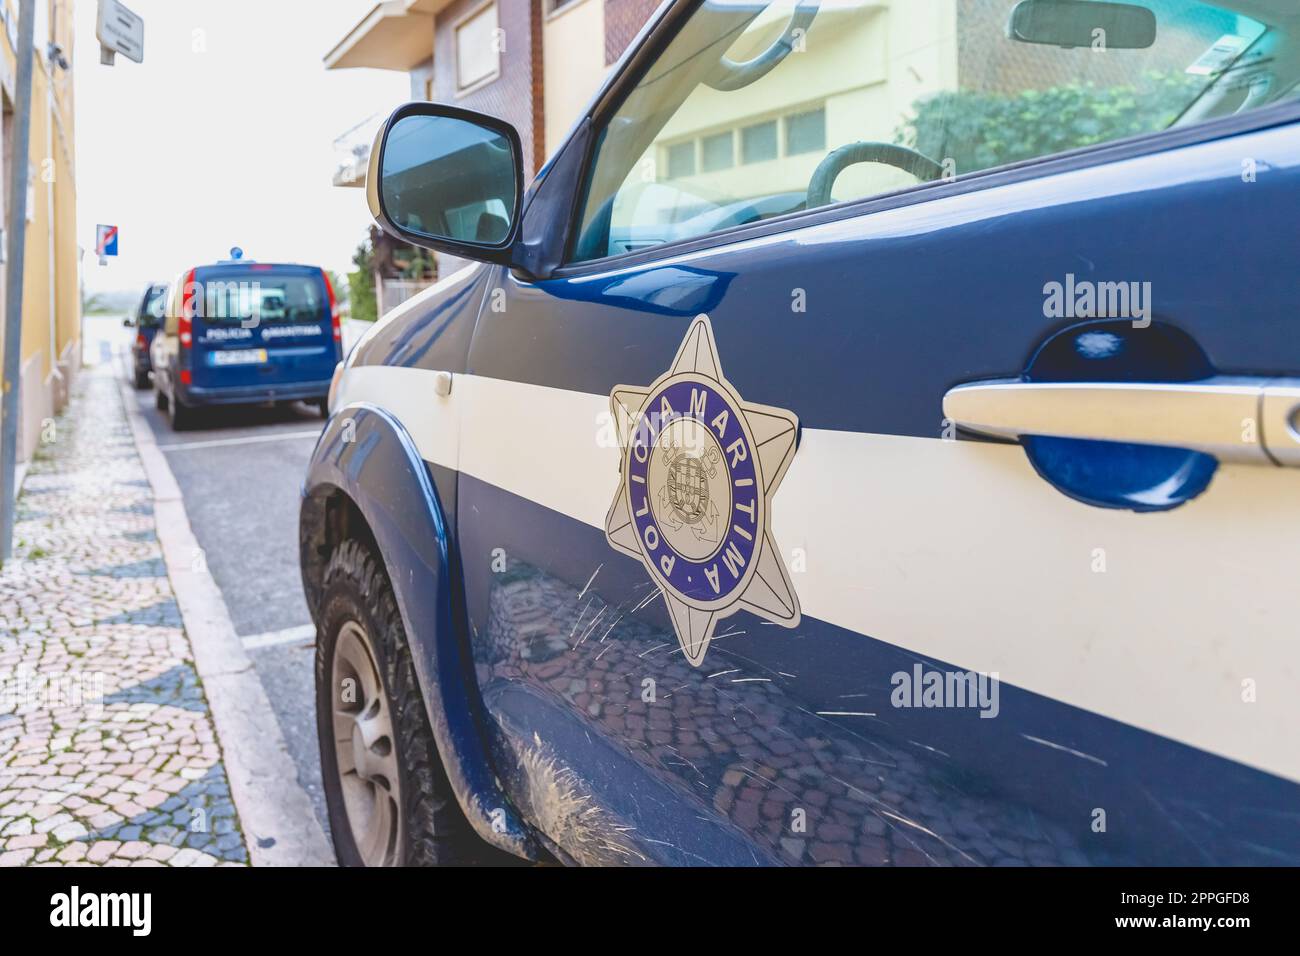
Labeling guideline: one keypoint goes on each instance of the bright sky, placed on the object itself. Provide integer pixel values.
(222, 137)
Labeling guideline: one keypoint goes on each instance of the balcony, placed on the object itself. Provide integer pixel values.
(394, 35)
(352, 151)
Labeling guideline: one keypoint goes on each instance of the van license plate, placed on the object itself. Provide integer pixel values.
(239, 357)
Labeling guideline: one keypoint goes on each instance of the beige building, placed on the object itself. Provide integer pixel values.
(51, 329)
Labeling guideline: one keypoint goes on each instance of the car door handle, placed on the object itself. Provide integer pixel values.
(1251, 420)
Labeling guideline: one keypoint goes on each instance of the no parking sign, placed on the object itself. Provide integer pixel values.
(105, 242)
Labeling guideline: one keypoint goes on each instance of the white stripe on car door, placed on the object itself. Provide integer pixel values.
(960, 552)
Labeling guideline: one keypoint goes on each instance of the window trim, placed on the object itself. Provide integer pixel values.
(558, 8)
(664, 27)
(495, 73)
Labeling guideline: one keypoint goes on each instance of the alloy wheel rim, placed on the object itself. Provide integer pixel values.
(365, 749)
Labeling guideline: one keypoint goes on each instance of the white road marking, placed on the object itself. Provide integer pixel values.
(289, 635)
(246, 440)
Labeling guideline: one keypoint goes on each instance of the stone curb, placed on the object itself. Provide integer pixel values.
(274, 810)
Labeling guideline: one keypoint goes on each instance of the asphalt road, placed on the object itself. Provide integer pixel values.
(240, 471)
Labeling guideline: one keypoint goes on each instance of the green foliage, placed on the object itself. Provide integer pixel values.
(419, 267)
(340, 286)
(978, 130)
(361, 284)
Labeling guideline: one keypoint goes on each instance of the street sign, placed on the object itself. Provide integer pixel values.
(105, 241)
(119, 31)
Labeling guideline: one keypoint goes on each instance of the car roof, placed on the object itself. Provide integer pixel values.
(235, 265)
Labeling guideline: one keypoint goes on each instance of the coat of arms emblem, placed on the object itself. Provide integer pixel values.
(699, 470)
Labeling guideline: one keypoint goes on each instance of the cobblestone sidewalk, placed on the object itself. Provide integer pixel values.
(107, 749)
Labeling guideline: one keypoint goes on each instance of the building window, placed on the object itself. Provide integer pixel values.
(477, 56)
(717, 152)
(805, 132)
(758, 142)
(681, 159)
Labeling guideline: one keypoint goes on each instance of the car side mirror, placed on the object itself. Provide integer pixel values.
(128, 322)
(448, 179)
(1083, 23)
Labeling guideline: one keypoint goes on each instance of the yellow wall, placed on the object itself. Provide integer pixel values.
(51, 166)
(66, 246)
(36, 317)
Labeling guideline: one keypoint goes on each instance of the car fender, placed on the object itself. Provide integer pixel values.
(366, 454)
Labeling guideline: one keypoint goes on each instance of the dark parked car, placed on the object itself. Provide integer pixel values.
(240, 332)
(945, 515)
(146, 321)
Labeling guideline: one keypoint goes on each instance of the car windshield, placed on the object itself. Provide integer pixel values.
(755, 110)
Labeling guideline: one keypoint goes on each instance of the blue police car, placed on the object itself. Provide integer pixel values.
(146, 321)
(242, 332)
(870, 439)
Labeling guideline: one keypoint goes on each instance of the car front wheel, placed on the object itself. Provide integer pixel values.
(389, 800)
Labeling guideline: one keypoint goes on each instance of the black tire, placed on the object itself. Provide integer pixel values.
(323, 406)
(179, 414)
(159, 400)
(433, 831)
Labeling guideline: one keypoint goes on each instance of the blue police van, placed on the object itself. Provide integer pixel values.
(240, 332)
(870, 439)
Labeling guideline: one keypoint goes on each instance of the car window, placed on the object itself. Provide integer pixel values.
(154, 307)
(755, 110)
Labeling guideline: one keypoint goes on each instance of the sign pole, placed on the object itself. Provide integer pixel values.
(16, 230)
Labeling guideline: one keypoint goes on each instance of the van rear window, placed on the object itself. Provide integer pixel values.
(262, 298)
(154, 308)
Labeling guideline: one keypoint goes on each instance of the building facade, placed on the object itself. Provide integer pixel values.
(51, 325)
(535, 63)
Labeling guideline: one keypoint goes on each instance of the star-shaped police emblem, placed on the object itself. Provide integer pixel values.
(699, 469)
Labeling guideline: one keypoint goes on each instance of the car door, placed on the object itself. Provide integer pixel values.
(988, 561)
